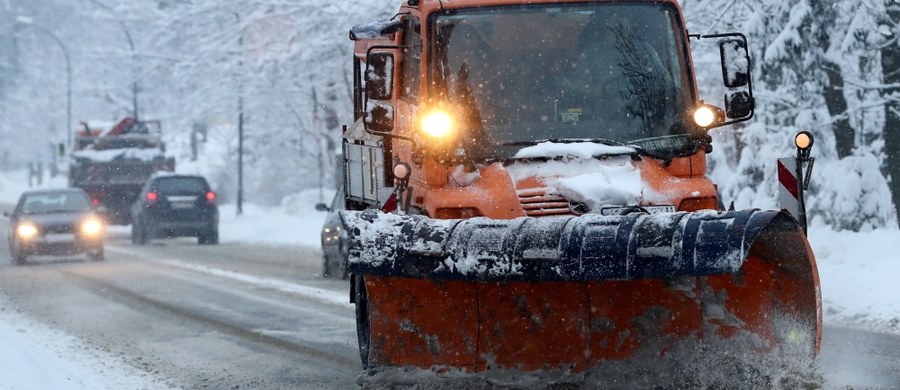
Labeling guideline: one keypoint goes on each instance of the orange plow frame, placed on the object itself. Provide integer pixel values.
(772, 301)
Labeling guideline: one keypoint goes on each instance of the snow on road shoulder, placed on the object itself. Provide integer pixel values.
(859, 274)
(13, 183)
(33, 356)
(295, 222)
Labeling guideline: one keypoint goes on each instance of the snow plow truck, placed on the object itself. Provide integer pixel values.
(111, 162)
(526, 192)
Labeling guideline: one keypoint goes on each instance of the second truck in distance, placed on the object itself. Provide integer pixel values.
(111, 163)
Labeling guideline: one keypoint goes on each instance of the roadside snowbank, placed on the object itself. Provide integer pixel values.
(35, 356)
(295, 222)
(859, 275)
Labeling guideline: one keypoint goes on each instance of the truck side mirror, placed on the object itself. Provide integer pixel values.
(379, 91)
(380, 117)
(735, 62)
(738, 104)
(379, 76)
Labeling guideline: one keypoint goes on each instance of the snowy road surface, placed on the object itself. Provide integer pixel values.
(178, 315)
(190, 321)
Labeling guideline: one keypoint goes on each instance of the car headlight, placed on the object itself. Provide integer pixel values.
(26, 230)
(92, 227)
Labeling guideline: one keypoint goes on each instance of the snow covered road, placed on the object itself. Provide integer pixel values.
(181, 321)
(178, 315)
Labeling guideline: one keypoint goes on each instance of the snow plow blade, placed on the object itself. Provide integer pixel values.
(573, 293)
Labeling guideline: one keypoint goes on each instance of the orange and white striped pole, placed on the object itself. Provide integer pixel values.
(794, 180)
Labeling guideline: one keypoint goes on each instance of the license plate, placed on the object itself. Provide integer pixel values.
(55, 238)
(182, 202)
(637, 209)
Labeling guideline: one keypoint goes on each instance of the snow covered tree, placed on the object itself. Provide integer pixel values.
(889, 26)
(804, 52)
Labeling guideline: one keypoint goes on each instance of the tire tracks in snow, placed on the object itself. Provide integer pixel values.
(140, 301)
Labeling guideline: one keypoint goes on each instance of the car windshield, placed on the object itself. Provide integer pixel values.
(181, 185)
(586, 71)
(56, 202)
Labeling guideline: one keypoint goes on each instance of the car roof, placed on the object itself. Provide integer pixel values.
(167, 175)
(53, 191)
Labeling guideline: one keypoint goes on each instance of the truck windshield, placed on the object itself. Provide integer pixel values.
(577, 71)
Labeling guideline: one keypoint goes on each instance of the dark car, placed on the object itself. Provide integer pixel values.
(334, 239)
(55, 222)
(175, 206)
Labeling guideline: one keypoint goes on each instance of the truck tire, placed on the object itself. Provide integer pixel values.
(363, 330)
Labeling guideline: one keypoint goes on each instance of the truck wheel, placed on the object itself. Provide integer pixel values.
(363, 330)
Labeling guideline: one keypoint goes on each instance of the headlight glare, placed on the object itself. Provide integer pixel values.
(704, 116)
(26, 230)
(92, 227)
(437, 124)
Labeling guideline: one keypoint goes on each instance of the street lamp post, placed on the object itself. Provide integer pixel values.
(22, 20)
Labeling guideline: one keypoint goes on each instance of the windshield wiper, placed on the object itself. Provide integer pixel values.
(61, 211)
(603, 141)
(634, 151)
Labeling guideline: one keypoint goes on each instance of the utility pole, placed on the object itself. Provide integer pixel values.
(240, 190)
(240, 193)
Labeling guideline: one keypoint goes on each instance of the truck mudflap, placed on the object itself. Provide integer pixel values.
(571, 293)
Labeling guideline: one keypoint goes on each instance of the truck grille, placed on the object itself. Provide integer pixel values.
(537, 203)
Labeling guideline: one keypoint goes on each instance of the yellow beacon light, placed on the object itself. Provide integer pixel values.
(437, 124)
(803, 140)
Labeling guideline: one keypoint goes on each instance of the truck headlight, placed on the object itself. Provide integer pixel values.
(704, 116)
(26, 230)
(92, 227)
(437, 124)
